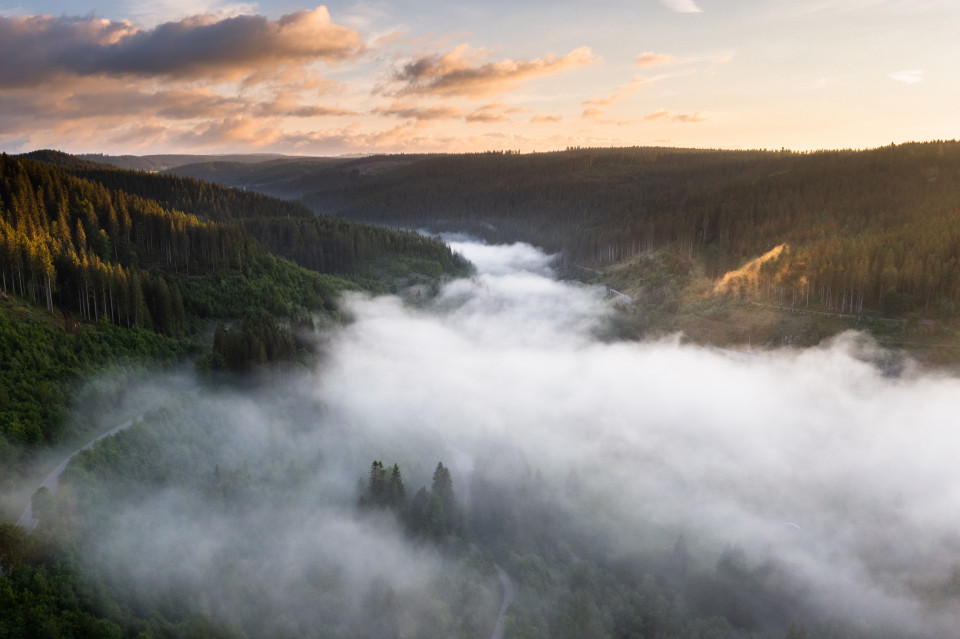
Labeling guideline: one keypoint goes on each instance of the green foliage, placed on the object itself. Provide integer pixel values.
(330, 245)
(860, 225)
(105, 242)
(251, 344)
(41, 365)
(435, 514)
(271, 285)
(115, 248)
(289, 229)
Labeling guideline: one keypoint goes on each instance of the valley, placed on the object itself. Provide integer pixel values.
(653, 467)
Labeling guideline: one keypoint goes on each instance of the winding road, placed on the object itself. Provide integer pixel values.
(27, 520)
(498, 629)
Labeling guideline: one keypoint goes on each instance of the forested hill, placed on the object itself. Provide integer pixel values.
(874, 230)
(129, 265)
(286, 229)
(160, 162)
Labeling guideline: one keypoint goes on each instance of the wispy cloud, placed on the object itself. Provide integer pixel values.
(408, 110)
(681, 6)
(618, 93)
(463, 72)
(910, 77)
(153, 12)
(671, 116)
(651, 59)
(493, 113)
(545, 118)
(486, 113)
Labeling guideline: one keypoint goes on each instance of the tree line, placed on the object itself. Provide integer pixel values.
(435, 514)
(866, 231)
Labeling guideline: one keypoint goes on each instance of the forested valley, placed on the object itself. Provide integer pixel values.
(346, 462)
(217, 517)
(854, 233)
(132, 266)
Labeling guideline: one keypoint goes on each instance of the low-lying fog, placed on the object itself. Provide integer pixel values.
(849, 477)
(846, 478)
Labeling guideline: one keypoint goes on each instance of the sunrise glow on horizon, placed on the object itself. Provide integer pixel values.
(411, 77)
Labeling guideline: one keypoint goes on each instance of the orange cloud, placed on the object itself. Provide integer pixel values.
(663, 114)
(493, 113)
(350, 139)
(546, 117)
(38, 49)
(592, 113)
(618, 94)
(407, 110)
(230, 131)
(651, 59)
(460, 73)
(286, 104)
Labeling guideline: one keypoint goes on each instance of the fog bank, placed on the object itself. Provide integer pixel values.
(807, 481)
(845, 477)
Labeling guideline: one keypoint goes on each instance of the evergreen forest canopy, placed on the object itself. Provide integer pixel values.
(135, 263)
(862, 231)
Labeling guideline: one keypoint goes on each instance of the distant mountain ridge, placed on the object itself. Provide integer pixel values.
(863, 231)
(162, 162)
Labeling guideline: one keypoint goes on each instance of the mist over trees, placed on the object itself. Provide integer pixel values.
(622, 488)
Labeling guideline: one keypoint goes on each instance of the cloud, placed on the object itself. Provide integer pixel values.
(462, 72)
(154, 12)
(619, 93)
(286, 104)
(546, 117)
(809, 460)
(651, 59)
(836, 478)
(910, 77)
(238, 129)
(493, 113)
(592, 113)
(409, 110)
(483, 114)
(664, 114)
(318, 112)
(350, 139)
(38, 49)
(682, 6)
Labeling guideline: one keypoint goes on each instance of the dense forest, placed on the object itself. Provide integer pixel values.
(283, 228)
(130, 265)
(860, 231)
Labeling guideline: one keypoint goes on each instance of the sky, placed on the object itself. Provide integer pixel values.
(213, 76)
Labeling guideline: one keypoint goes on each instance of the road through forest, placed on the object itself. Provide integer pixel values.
(27, 520)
